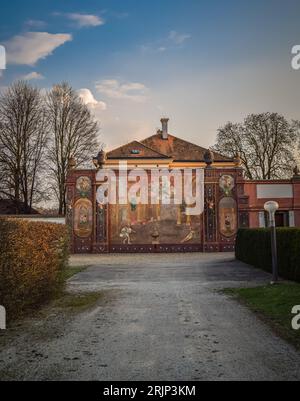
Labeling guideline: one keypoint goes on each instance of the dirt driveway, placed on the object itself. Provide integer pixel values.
(161, 318)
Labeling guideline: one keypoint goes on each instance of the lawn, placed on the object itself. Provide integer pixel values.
(71, 271)
(273, 304)
(76, 301)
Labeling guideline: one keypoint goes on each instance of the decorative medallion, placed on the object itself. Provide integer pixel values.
(228, 216)
(83, 186)
(227, 184)
(83, 218)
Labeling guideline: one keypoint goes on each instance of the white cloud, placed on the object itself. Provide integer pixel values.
(132, 86)
(113, 89)
(178, 38)
(32, 75)
(30, 47)
(85, 20)
(154, 48)
(88, 98)
(172, 41)
(33, 23)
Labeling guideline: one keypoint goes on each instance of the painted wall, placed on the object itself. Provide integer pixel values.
(230, 202)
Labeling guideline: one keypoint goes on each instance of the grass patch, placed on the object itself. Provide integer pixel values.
(75, 301)
(273, 304)
(70, 271)
(78, 301)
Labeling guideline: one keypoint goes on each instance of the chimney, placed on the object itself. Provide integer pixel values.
(164, 123)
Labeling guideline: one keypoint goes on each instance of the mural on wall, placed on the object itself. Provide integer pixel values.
(189, 237)
(101, 219)
(210, 214)
(83, 218)
(136, 223)
(227, 184)
(69, 210)
(227, 216)
(125, 234)
(83, 186)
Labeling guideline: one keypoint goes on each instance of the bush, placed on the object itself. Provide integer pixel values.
(253, 246)
(33, 256)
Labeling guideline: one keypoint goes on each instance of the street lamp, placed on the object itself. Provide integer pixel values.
(271, 207)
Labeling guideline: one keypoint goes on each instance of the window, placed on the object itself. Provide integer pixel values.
(281, 219)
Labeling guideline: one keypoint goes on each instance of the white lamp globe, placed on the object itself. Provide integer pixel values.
(271, 207)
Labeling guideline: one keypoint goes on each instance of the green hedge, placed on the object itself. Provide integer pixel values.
(253, 246)
(33, 256)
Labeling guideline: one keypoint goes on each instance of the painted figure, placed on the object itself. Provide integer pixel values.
(189, 236)
(125, 234)
(228, 223)
(83, 216)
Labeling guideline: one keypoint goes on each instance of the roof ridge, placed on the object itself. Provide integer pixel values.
(214, 152)
(176, 149)
(153, 150)
(121, 146)
(131, 143)
(191, 143)
(183, 140)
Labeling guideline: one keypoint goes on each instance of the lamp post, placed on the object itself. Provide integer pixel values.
(271, 207)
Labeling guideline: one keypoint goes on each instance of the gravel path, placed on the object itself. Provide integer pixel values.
(161, 318)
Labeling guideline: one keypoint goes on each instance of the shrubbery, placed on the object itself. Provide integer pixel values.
(253, 246)
(33, 256)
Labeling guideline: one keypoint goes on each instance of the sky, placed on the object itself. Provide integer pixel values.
(200, 63)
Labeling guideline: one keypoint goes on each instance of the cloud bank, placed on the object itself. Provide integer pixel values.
(113, 89)
(31, 47)
(88, 98)
(32, 75)
(85, 20)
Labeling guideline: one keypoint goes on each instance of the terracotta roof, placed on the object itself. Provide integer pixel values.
(135, 150)
(156, 147)
(179, 149)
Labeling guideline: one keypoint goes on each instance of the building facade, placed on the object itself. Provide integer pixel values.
(226, 200)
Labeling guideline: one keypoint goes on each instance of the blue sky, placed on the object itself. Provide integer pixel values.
(201, 63)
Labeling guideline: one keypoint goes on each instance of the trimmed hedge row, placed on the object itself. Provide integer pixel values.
(253, 246)
(33, 256)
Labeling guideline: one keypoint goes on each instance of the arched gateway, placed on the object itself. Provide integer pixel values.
(164, 194)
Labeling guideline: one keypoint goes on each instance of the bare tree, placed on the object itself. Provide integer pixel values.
(23, 137)
(265, 143)
(73, 134)
(296, 152)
